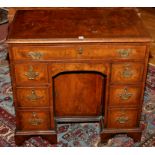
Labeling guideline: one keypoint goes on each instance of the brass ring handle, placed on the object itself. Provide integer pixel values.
(124, 53)
(35, 120)
(35, 55)
(33, 96)
(125, 95)
(31, 74)
(80, 50)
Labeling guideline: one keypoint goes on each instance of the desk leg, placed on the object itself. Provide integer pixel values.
(20, 137)
(106, 134)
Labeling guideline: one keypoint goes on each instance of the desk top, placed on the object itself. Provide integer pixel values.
(67, 25)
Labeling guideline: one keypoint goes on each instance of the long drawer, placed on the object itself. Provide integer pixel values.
(78, 52)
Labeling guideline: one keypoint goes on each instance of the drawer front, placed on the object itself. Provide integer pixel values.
(126, 118)
(78, 51)
(56, 68)
(33, 120)
(32, 97)
(124, 95)
(30, 73)
(127, 72)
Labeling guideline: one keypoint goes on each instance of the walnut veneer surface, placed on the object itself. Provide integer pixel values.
(78, 65)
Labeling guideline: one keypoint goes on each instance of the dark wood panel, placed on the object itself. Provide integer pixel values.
(78, 94)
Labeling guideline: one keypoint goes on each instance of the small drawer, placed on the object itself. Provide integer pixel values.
(33, 120)
(32, 97)
(30, 73)
(78, 52)
(122, 118)
(124, 95)
(127, 72)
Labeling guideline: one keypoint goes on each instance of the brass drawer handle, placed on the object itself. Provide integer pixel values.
(35, 55)
(127, 72)
(80, 50)
(122, 119)
(124, 53)
(35, 120)
(31, 74)
(33, 96)
(125, 95)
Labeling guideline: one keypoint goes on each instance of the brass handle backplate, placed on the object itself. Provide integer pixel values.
(35, 120)
(35, 55)
(124, 53)
(122, 119)
(33, 96)
(125, 95)
(31, 74)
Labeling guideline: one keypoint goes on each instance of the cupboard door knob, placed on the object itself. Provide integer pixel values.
(31, 74)
(80, 50)
(124, 53)
(33, 96)
(35, 55)
(35, 120)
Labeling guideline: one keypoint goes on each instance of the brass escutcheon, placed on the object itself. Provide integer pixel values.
(35, 55)
(31, 74)
(35, 121)
(125, 94)
(33, 96)
(80, 50)
(127, 72)
(124, 53)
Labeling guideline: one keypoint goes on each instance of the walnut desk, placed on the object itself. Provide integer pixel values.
(78, 65)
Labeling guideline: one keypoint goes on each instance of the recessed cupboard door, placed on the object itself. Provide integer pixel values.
(78, 89)
(78, 94)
